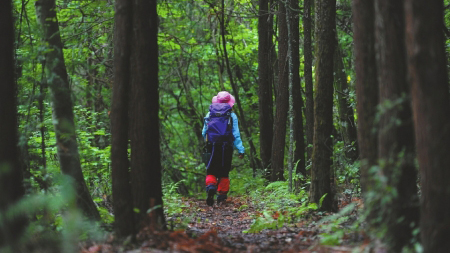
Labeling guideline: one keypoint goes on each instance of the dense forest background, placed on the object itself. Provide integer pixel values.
(102, 106)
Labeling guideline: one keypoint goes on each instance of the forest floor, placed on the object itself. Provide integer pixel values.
(225, 228)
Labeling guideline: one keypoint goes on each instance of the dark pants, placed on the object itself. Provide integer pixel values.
(221, 156)
(219, 167)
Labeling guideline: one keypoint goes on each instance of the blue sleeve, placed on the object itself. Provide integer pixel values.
(205, 125)
(237, 135)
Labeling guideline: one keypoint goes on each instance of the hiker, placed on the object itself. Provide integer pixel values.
(221, 133)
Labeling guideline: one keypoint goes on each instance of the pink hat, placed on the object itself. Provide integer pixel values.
(214, 100)
(225, 97)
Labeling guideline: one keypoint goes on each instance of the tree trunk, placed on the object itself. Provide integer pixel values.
(366, 86)
(63, 116)
(254, 163)
(11, 178)
(323, 104)
(144, 109)
(282, 103)
(307, 69)
(121, 187)
(396, 134)
(291, 37)
(265, 84)
(345, 111)
(299, 138)
(431, 108)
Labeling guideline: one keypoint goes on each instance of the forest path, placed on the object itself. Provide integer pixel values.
(231, 219)
(222, 228)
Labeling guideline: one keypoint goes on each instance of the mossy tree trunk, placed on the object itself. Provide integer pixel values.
(63, 117)
(431, 108)
(323, 104)
(396, 150)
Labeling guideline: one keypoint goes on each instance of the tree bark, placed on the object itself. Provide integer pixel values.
(396, 151)
(431, 108)
(144, 109)
(307, 69)
(345, 111)
(291, 39)
(323, 104)
(366, 86)
(299, 138)
(121, 187)
(11, 178)
(63, 116)
(282, 103)
(265, 84)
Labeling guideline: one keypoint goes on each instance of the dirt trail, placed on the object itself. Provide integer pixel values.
(221, 229)
(236, 215)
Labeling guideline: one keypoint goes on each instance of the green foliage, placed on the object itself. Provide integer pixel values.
(173, 203)
(334, 231)
(280, 207)
(53, 219)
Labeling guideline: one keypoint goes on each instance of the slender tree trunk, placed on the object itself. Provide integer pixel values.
(11, 178)
(345, 111)
(265, 84)
(290, 87)
(62, 107)
(309, 97)
(144, 109)
(45, 181)
(299, 138)
(396, 134)
(254, 162)
(431, 108)
(121, 187)
(323, 104)
(273, 54)
(282, 103)
(366, 86)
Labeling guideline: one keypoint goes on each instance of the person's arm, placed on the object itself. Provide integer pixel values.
(205, 125)
(237, 136)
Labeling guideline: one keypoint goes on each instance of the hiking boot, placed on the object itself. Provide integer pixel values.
(221, 199)
(210, 191)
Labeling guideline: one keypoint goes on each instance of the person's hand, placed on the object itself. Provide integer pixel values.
(241, 156)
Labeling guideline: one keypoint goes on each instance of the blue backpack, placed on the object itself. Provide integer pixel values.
(220, 124)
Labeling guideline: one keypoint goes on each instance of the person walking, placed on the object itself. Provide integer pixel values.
(221, 133)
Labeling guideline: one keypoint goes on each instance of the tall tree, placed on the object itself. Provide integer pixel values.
(290, 55)
(265, 84)
(431, 108)
(121, 187)
(345, 110)
(366, 85)
(11, 185)
(282, 102)
(62, 106)
(299, 138)
(323, 104)
(307, 69)
(144, 109)
(396, 151)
